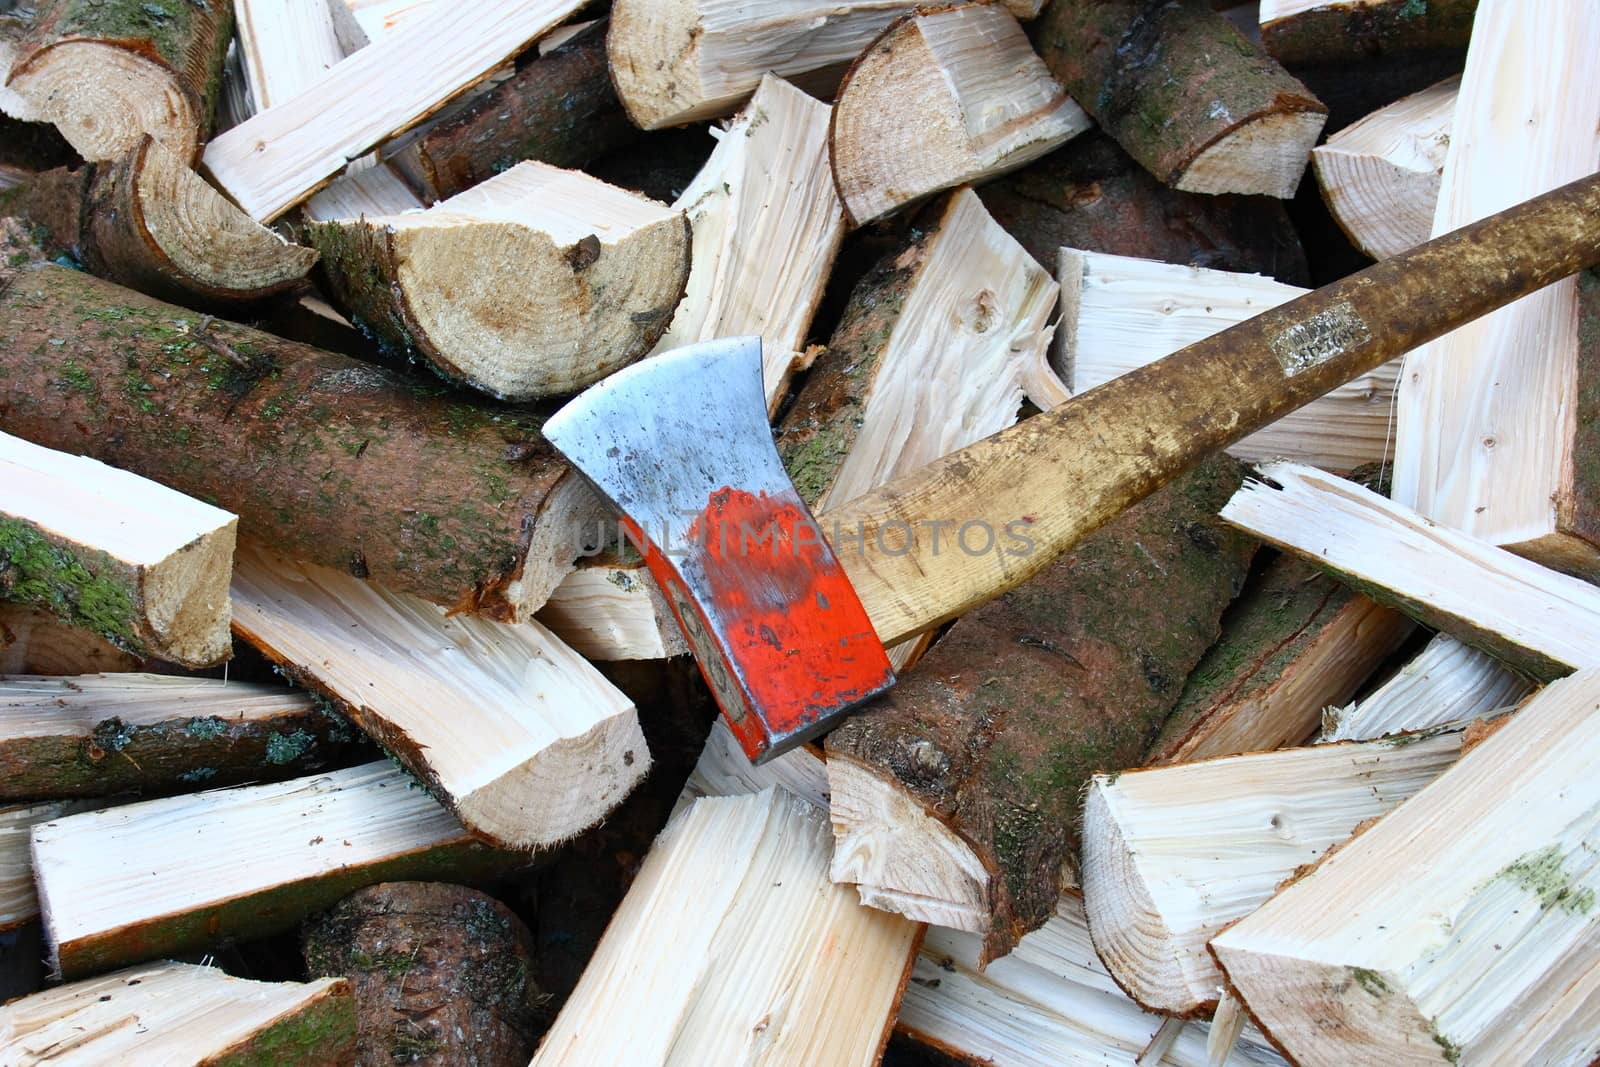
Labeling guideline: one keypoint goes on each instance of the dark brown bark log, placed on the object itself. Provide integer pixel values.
(558, 108)
(1174, 82)
(325, 458)
(442, 974)
(1349, 30)
(1004, 720)
(1092, 195)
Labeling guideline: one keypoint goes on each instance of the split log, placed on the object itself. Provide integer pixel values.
(1380, 177)
(373, 191)
(189, 872)
(107, 74)
(285, 45)
(514, 732)
(360, 22)
(1096, 197)
(1130, 312)
(1535, 620)
(1201, 107)
(282, 155)
(954, 797)
(1172, 855)
(34, 641)
(944, 97)
(733, 936)
(537, 282)
(14, 27)
(1294, 643)
(1327, 31)
(1468, 948)
(559, 109)
(767, 224)
(180, 1013)
(19, 904)
(1447, 681)
(102, 734)
(611, 609)
(327, 458)
(123, 557)
(440, 974)
(149, 222)
(1497, 423)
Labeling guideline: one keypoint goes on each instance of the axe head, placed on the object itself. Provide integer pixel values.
(681, 447)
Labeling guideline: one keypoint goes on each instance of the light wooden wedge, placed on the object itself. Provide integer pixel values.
(1447, 681)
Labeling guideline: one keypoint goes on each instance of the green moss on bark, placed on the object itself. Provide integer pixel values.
(85, 588)
(322, 1032)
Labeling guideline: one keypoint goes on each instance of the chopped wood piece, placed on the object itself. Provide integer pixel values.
(1446, 682)
(123, 557)
(1327, 31)
(1130, 312)
(944, 96)
(280, 156)
(767, 224)
(100, 734)
(514, 732)
(326, 458)
(537, 282)
(559, 109)
(441, 974)
(1295, 642)
(609, 609)
(1380, 177)
(19, 904)
(1538, 621)
(955, 796)
(1096, 197)
(285, 46)
(744, 953)
(1498, 431)
(187, 872)
(1171, 855)
(149, 222)
(34, 641)
(1201, 107)
(13, 29)
(373, 191)
(1474, 939)
(107, 74)
(180, 1013)
(360, 22)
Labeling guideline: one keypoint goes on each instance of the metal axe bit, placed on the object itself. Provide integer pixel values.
(782, 627)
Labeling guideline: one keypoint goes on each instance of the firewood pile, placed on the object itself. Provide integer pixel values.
(344, 721)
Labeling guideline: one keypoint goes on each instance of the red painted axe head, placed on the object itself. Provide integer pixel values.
(680, 446)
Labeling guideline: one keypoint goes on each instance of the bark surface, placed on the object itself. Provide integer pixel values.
(1348, 31)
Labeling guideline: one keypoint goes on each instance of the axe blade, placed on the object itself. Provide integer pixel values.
(775, 624)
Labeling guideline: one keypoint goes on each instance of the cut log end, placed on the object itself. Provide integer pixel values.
(923, 871)
(1265, 156)
(104, 100)
(186, 600)
(657, 94)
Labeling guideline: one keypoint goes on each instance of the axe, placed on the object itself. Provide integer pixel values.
(789, 614)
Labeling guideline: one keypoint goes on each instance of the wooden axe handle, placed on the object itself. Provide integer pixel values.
(928, 547)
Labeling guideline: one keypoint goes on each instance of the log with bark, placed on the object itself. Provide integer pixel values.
(149, 222)
(1447, 681)
(19, 904)
(182, 1013)
(282, 155)
(192, 872)
(767, 224)
(559, 108)
(1201, 107)
(34, 641)
(944, 97)
(102, 734)
(1380, 177)
(440, 974)
(108, 72)
(954, 797)
(514, 732)
(742, 950)
(1497, 432)
(1295, 642)
(121, 556)
(1324, 31)
(1474, 942)
(1122, 313)
(327, 458)
(1537, 621)
(1172, 855)
(537, 282)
